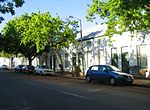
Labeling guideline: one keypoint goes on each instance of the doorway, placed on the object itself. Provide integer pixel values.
(125, 59)
(114, 57)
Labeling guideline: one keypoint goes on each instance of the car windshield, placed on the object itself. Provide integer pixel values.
(113, 68)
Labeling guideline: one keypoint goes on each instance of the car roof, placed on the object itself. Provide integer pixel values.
(100, 65)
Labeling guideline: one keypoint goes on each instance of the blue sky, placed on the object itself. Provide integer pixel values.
(64, 8)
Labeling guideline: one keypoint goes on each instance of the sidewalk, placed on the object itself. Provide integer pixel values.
(142, 82)
(136, 82)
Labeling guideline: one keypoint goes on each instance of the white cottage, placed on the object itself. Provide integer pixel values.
(126, 52)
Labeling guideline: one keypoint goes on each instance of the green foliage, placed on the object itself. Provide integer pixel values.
(1, 42)
(7, 6)
(6, 55)
(12, 36)
(121, 15)
(36, 33)
(43, 29)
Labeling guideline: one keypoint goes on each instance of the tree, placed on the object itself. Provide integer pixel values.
(7, 6)
(36, 33)
(1, 42)
(121, 15)
(52, 31)
(12, 36)
(2, 53)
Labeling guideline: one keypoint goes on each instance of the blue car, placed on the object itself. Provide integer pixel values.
(108, 73)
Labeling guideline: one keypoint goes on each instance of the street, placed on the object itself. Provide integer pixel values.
(20, 91)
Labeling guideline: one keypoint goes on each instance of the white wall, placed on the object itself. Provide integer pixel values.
(17, 61)
(119, 41)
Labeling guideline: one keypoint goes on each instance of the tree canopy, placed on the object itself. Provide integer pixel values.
(36, 33)
(43, 29)
(121, 15)
(7, 6)
(12, 41)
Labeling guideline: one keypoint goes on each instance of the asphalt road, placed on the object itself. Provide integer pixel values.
(28, 92)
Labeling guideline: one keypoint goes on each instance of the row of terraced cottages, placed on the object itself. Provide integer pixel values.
(128, 53)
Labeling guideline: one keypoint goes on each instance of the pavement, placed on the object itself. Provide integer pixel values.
(137, 81)
(140, 82)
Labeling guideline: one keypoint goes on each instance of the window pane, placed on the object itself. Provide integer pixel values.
(94, 68)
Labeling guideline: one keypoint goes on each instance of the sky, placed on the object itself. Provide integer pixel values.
(63, 8)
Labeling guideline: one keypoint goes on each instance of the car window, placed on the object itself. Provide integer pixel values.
(94, 68)
(109, 68)
(102, 68)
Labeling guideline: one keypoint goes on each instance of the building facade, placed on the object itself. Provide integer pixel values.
(128, 53)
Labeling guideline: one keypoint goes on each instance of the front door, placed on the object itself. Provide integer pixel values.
(114, 57)
(125, 59)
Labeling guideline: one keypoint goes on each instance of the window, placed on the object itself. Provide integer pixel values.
(74, 59)
(142, 56)
(102, 68)
(114, 57)
(94, 68)
(99, 41)
(88, 43)
(66, 60)
(125, 59)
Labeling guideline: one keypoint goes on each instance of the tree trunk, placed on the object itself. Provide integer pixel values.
(60, 61)
(30, 60)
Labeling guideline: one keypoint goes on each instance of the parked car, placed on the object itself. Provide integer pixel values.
(43, 70)
(108, 73)
(28, 69)
(4, 67)
(18, 68)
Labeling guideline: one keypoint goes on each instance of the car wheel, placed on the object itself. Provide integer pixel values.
(40, 73)
(112, 81)
(88, 79)
(34, 72)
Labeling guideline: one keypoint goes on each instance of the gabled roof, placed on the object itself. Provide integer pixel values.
(89, 36)
(91, 33)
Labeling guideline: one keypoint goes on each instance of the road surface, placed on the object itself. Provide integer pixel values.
(28, 92)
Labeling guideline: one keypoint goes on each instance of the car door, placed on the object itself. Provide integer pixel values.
(103, 73)
(94, 72)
